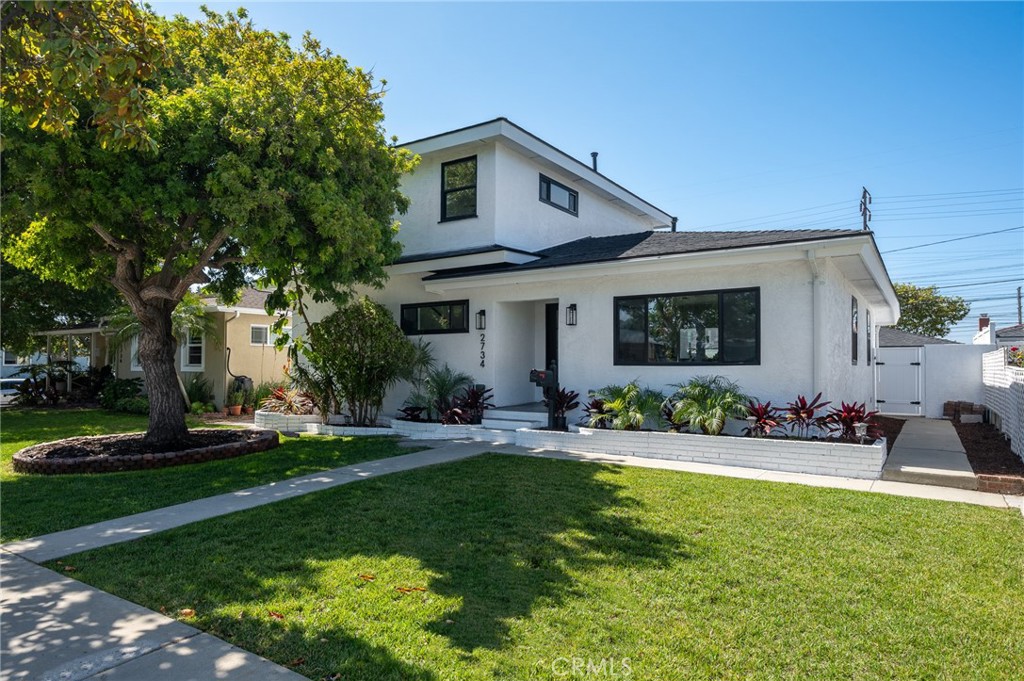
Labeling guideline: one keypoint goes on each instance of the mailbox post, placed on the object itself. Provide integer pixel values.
(548, 380)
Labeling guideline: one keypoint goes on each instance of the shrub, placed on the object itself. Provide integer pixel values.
(473, 402)
(628, 407)
(706, 402)
(565, 401)
(1015, 356)
(132, 405)
(595, 415)
(802, 415)
(843, 421)
(118, 389)
(199, 388)
(766, 419)
(201, 408)
(264, 390)
(288, 401)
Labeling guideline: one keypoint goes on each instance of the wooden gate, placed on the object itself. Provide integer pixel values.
(899, 376)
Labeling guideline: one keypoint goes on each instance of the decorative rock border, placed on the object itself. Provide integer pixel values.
(258, 441)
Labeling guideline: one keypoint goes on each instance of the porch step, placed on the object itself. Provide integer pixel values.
(509, 423)
(513, 414)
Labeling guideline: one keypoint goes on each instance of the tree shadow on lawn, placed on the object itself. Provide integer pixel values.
(497, 535)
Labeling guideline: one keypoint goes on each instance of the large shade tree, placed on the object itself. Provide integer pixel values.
(925, 311)
(270, 162)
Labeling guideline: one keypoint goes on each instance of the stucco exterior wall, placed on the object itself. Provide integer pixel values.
(842, 380)
(952, 373)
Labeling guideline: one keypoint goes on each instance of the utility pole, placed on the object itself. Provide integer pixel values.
(1020, 320)
(865, 212)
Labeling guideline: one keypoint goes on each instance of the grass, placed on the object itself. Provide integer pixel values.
(529, 566)
(36, 504)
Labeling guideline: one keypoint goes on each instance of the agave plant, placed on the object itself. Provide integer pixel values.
(766, 419)
(628, 407)
(802, 415)
(706, 402)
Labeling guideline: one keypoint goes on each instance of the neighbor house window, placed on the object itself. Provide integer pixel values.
(134, 363)
(706, 327)
(259, 334)
(458, 189)
(192, 352)
(10, 359)
(853, 328)
(559, 196)
(448, 317)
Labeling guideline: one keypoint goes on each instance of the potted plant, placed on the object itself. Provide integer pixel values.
(565, 401)
(233, 405)
(248, 401)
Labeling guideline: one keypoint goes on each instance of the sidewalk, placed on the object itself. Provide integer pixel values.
(929, 452)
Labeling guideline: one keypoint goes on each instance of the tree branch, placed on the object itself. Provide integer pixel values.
(196, 274)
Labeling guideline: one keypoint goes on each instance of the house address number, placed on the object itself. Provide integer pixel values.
(483, 355)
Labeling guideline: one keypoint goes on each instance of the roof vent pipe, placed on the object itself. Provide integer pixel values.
(674, 221)
(593, 160)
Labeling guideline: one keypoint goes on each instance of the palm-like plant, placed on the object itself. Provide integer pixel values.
(627, 407)
(442, 385)
(706, 402)
(188, 317)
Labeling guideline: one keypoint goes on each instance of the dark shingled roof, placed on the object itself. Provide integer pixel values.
(1016, 331)
(650, 244)
(890, 337)
(437, 255)
(250, 297)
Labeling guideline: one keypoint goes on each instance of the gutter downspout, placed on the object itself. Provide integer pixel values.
(227, 352)
(817, 327)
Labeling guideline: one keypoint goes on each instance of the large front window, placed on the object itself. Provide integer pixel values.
(448, 317)
(458, 189)
(707, 327)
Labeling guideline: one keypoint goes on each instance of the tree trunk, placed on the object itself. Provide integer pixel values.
(157, 351)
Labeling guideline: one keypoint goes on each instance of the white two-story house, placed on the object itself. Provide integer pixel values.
(517, 255)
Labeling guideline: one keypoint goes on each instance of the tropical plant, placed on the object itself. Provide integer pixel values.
(628, 407)
(843, 421)
(289, 401)
(565, 401)
(265, 389)
(264, 158)
(199, 388)
(190, 316)
(314, 380)
(707, 402)
(412, 413)
(803, 417)
(595, 415)
(766, 418)
(442, 386)
(473, 402)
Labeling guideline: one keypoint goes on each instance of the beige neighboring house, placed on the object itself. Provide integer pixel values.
(241, 344)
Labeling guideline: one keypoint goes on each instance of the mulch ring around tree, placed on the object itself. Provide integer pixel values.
(997, 467)
(128, 451)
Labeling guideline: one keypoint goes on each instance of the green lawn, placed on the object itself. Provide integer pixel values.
(528, 565)
(31, 505)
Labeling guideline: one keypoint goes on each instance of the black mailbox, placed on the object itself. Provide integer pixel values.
(548, 380)
(542, 379)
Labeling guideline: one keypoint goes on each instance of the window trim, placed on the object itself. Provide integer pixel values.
(756, 290)
(133, 359)
(266, 327)
(547, 199)
(17, 360)
(867, 325)
(445, 190)
(185, 366)
(418, 332)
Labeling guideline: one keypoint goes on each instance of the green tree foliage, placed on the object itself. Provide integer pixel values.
(925, 311)
(58, 59)
(271, 164)
(29, 305)
(354, 355)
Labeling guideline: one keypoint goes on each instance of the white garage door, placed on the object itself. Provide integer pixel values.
(899, 372)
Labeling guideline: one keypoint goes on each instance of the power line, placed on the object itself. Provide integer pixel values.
(980, 283)
(946, 241)
(980, 191)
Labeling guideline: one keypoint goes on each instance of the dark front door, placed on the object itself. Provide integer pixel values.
(550, 334)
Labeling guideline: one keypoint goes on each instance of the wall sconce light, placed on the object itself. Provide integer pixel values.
(570, 315)
(481, 320)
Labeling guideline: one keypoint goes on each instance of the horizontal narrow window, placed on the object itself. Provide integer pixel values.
(706, 327)
(559, 196)
(448, 317)
(458, 189)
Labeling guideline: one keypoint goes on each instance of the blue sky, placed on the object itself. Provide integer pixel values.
(736, 115)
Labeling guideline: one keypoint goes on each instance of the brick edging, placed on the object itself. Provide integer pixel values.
(264, 440)
(1000, 484)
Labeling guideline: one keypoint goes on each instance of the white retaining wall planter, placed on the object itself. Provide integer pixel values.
(275, 421)
(346, 431)
(794, 456)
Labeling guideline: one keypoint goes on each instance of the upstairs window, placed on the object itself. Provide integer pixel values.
(422, 318)
(458, 189)
(558, 195)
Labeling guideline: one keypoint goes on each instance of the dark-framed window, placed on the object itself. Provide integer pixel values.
(558, 195)
(693, 328)
(458, 189)
(869, 330)
(445, 317)
(853, 329)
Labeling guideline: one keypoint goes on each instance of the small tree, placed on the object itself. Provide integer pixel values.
(925, 311)
(356, 354)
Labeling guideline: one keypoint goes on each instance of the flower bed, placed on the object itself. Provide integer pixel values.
(275, 421)
(822, 457)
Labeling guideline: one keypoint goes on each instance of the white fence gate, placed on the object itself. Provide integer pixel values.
(899, 373)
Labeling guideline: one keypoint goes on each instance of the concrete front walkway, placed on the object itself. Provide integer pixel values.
(929, 452)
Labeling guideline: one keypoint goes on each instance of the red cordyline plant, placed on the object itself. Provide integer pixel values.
(766, 419)
(843, 421)
(801, 415)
